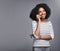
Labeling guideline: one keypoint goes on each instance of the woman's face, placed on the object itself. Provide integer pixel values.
(42, 12)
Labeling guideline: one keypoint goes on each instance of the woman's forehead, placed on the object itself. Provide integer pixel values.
(41, 8)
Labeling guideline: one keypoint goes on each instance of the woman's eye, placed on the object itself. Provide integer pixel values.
(44, 10)
(39, 11)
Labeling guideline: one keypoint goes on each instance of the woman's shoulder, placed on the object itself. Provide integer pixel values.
(34, 21)
(50, 23)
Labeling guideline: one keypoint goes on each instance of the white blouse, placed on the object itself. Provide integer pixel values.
(46, 28)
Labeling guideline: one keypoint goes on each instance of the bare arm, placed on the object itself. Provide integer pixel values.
(46, 37)
(37, 31)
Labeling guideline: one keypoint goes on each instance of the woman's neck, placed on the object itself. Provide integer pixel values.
(44, 20)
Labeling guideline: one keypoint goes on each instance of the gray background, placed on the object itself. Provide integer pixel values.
(15, 24)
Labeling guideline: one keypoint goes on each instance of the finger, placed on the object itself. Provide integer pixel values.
(38, 16)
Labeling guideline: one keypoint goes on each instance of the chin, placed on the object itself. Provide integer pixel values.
(42, 18)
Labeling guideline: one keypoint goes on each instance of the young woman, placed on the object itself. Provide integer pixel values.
(42, 28)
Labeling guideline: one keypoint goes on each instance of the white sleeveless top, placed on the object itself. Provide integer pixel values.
(46, 28)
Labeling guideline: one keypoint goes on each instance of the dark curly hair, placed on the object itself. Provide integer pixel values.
(34, 11)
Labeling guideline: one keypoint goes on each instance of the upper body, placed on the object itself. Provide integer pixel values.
(46, 28)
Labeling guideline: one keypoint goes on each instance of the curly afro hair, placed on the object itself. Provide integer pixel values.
(34, 11)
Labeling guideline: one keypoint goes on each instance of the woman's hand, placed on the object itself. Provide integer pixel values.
(32, 36)
(38, 17)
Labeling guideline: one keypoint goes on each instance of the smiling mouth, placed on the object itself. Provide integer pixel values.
(42, 18)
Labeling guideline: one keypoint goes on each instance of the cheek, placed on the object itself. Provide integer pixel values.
(44, 13)
(43, 16)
